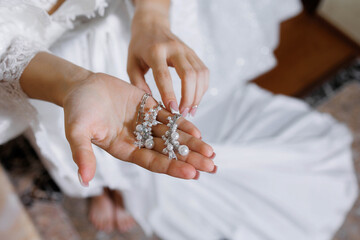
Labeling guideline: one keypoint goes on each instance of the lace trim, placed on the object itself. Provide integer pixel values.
(12, 64)
(16, 57)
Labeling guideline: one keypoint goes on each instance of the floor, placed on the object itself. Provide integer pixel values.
(310, 51)
(345, 107)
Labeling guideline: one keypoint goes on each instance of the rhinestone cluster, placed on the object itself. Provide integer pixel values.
(143, 132)
(171, 138)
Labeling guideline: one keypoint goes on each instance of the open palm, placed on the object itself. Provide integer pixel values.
(102, 110)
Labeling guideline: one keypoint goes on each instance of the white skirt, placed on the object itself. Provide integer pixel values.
(285, 170)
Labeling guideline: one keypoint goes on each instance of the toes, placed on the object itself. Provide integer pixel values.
(124, 221)
(101, 213)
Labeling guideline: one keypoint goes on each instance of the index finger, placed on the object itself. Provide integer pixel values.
(163, 81)
(183, 124)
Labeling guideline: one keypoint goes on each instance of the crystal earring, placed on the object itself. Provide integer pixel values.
(171, 138)
(143, 131)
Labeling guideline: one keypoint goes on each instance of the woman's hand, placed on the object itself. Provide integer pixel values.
(154, 46)
(102, 110)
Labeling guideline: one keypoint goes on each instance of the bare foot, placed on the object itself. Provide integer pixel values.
(101, 212)
(123, 220)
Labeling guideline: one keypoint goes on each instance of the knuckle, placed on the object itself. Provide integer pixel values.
(74, 130)
(151, 165)
(174, 44)
(193, 141)
(168, 95)
(157, 48)
(162, 74)
(205, 71)
(189, 74)
(71, 133)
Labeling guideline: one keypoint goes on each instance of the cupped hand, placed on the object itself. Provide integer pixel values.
(102, 110)
(154, 46)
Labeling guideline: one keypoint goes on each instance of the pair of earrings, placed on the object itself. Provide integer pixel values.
(143, 130)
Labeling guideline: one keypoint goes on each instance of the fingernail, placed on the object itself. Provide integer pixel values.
(82, 182)
(214, 170)
(174, 108)
(185, 112)
(193, 111)
(213, 156)
(197, 175)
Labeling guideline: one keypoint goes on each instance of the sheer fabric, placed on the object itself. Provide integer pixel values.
(26, 29)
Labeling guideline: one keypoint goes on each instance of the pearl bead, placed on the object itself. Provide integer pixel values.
(170, 147)
(183, 150)
(149, 144)
(139, 128)
(138, 137)
(176, 144)
(175, 135)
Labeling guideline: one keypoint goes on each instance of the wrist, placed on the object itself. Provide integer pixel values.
(150, 14)
(51, 78)
(71, 80)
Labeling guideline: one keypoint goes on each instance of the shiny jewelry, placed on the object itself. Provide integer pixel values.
(142, 107)
(171, 138)
(143, 131)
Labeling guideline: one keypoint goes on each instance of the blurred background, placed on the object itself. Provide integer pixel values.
(318, 55)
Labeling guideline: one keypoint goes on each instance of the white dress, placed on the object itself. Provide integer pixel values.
(285, 170)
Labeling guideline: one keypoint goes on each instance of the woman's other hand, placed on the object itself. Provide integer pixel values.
(154, 46)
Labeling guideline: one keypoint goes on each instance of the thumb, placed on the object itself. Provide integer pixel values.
(84, 158)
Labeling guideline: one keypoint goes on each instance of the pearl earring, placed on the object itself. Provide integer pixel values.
(171, 138)
(143, 131)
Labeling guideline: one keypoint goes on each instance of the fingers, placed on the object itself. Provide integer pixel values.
(188, 77)
(193, 74)
(159, 163)
(193, 143)
(202, 82)
(136, 75)
(199, 161)
(83, 156)
(194, 77)
(163, 82)
(183, 124)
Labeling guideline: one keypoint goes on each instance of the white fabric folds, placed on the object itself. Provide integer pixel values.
(285, 170)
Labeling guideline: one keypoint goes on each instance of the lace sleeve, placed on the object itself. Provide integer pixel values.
(16, 113)
(15, 59)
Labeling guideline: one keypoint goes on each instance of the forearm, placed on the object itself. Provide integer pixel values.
(151, 12)
(51, 78)
(162, 5)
